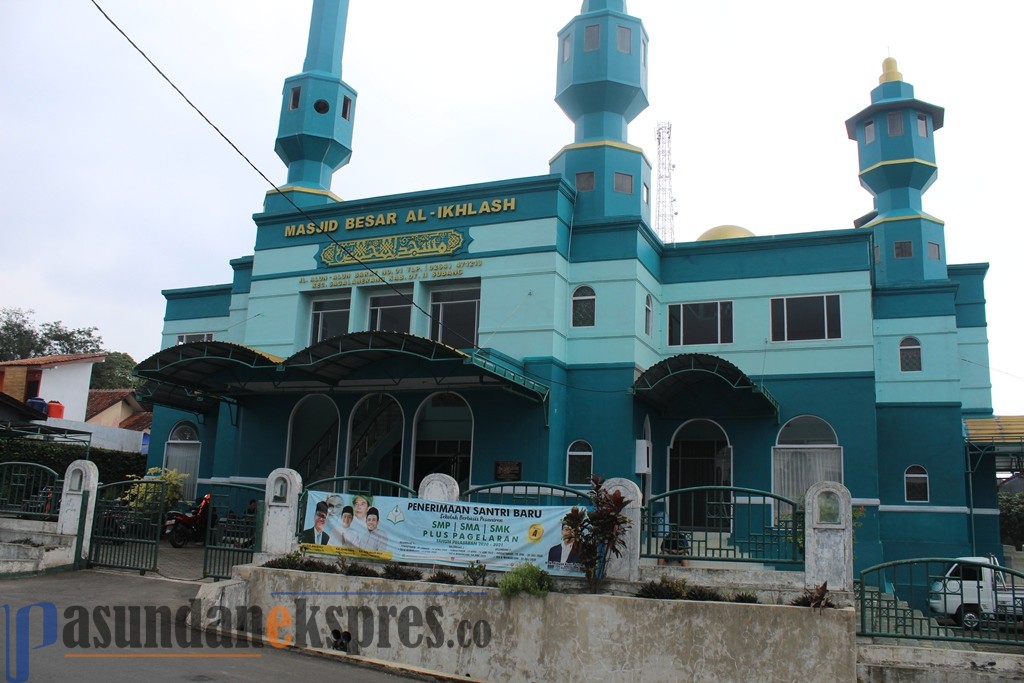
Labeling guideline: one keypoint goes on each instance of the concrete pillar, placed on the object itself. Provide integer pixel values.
(281, 512)
(627, 567)
(439, 487)
(78, 499)
(828, 536)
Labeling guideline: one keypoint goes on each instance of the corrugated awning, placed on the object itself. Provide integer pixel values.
(193, 376)
(702, 381)
(1001, 437)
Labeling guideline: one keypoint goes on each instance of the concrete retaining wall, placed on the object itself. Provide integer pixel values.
(560, 638)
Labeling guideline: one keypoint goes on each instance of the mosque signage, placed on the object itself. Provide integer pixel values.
(387, 218)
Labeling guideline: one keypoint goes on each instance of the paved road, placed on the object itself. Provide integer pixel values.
(76, 597)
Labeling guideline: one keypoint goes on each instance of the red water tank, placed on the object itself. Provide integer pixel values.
(55, 409)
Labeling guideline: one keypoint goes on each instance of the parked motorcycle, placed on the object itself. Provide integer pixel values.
(181, 528)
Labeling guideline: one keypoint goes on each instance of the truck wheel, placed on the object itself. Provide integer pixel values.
(968, 617)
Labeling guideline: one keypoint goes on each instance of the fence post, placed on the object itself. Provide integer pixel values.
(280, 512)
(78, 501)
(627, 567)
(828, 537)
(438, 487)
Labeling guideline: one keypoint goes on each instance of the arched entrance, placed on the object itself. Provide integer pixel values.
(444, 439)
(313, 438)
(700, 455)
(375, 446)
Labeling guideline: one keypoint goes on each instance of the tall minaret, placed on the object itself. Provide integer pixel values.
(896, 148)
(314, 136)
(602, 86)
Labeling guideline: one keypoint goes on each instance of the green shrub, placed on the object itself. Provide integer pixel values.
(400, 573)
(704, 593)
(140, 496)
(298, 561)
(528, 578)
(476, 574)
(749, 597)
(113, 466)
(443, 577)
(357, 569)
(665, 588)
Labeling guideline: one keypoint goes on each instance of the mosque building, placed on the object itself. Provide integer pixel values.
(537, 328)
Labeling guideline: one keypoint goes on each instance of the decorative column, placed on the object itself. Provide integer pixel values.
(281, 512)
(828, 537)
(77, 503)
(439, 487)
(627, 567)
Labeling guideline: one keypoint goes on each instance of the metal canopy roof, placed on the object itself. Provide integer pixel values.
(1002, 437)
(184, 375)
(701, 380)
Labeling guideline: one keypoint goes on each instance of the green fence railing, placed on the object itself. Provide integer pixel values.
(724, 524)
(967, 600)
(525, 493)
(30, 490)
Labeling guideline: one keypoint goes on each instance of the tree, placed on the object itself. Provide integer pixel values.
(1011, 518)
(115, 373)
(20, 337)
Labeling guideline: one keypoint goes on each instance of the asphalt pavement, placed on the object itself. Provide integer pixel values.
(94, 625)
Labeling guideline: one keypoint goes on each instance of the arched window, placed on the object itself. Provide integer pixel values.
(807, 452)
(181, 452)
(579, 464)
(648, 316)
(584, 303)
(915, 483)
(910, 355)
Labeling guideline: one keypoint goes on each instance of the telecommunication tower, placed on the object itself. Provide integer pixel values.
(665, 216)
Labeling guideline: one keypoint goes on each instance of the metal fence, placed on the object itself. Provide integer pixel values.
(525, 493)
(237, 533)
(967, 599)
(30, 490)
(723, 523)
(127, 524)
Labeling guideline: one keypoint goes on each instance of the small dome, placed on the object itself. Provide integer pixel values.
(724, 232)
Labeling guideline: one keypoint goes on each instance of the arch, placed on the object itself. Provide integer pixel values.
(807, 451)
(313, 432)
(182, 451)
(376, 433)
(699, 454)
(584, 307)
(910, 355)
(579, 463)
(915, 484)
(443, 438)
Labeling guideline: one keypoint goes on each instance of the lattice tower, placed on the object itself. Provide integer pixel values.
(665, 214)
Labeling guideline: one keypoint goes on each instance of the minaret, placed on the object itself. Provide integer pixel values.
(602, 86)
(896, 148)
(314, 136)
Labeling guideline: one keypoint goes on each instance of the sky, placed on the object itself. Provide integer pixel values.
(114, 189)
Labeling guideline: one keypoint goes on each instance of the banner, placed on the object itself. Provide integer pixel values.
(438, 532)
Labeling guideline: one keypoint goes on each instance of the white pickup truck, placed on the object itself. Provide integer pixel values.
(971, 592)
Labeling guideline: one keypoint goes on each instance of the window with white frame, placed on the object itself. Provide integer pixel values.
(910, 355)
(709, 322)
(194, 337)
(922, 125)
(584, 307)
(330, 318)
(869, 132)
(390, 312)
(799, 318)
(915, 484)
(648, 316)
(566, 48)
(579, 464)
(454, 316)
(806, 452)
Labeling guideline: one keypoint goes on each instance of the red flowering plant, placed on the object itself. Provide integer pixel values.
(599, 530)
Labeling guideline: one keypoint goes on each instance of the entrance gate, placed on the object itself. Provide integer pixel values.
(127, 524)
(235, 533)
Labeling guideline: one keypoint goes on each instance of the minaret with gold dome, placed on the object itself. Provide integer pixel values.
(314, 135)
(896, 149)
(602, 86)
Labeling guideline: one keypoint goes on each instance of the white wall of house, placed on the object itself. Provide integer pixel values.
(69, 384)
(114, 438)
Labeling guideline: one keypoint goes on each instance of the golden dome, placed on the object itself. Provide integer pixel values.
(890, 72)
(725, 232)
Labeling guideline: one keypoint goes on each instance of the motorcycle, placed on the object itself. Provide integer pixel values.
(181, 528)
